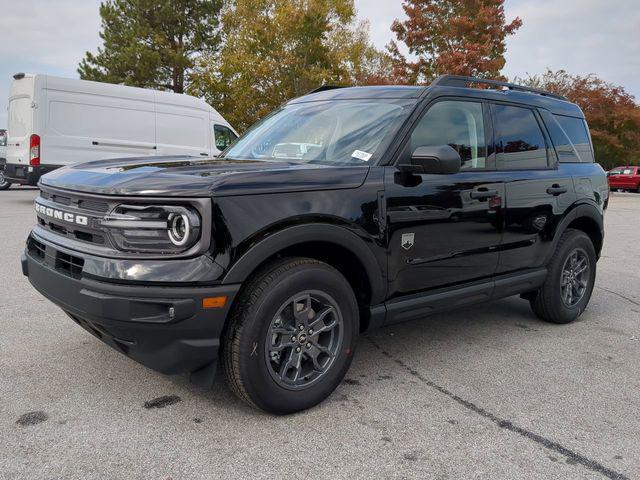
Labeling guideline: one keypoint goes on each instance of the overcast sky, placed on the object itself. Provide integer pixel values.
(589, 36)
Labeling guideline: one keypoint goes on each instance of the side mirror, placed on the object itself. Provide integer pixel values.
(441, 160)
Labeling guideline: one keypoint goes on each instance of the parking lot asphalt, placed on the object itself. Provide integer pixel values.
(484, 392)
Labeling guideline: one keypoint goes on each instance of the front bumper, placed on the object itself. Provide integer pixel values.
(164, 328)
(26, 174)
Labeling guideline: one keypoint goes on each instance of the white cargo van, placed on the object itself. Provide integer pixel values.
(59, 121)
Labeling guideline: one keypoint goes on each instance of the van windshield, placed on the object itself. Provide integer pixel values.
(19, 116)
(346, 132)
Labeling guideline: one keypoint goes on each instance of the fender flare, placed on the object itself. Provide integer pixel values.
(585, 210)
(295, 235)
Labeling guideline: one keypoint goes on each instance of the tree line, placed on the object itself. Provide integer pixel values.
(247, 57)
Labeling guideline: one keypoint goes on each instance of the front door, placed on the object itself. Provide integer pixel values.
(445, 229)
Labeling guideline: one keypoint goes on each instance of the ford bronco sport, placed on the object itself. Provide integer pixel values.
(344, 210)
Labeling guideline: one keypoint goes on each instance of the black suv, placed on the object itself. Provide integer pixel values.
(344, 210)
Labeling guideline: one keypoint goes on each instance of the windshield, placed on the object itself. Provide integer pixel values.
(346, 132)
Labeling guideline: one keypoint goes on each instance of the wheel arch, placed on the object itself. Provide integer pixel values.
(586, 218)
(332, 244)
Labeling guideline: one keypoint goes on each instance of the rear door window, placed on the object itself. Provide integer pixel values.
(576, 130)
(519, 141)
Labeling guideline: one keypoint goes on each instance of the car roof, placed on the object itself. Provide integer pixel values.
(449, 85)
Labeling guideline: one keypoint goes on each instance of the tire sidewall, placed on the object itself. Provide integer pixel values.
(4, 184)
(257, 379)
(568, 314)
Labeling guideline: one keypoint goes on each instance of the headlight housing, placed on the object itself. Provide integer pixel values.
(166, 229)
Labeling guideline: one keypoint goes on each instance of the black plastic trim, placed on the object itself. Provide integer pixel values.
(298, 234)
(443, 299)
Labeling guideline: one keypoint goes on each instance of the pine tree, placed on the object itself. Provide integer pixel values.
(153, 43)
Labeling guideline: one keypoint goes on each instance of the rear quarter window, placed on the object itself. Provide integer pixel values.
(576, 130)
(563, 146)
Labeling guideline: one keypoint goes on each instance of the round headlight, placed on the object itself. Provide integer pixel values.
(179, 229)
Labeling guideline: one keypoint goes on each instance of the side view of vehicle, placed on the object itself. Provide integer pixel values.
(624, 178)
(344, 210)
(55, 122)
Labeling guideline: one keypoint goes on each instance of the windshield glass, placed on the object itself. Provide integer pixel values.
(346, 132)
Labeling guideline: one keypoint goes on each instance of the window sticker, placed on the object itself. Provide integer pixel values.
(359, 154)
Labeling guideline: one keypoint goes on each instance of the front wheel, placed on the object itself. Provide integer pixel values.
(567, 290)
(291, 336)
(4, 184)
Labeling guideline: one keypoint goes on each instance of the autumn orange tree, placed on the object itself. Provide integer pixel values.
(465, 37)
(611, 112)
(276, 50)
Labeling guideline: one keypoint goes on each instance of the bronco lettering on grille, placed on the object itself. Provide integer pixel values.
(61, 215)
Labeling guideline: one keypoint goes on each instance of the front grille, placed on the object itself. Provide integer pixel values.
(84, 236)
(79, 204)
(94, 206)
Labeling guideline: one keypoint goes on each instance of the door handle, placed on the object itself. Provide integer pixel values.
(483, 194)
(556, 190)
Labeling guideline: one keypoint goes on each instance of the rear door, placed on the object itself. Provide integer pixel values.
(626, 178)
(20, 120)
(539, 190)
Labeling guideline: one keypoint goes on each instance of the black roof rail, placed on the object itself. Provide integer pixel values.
(324, 88)
(463, 81)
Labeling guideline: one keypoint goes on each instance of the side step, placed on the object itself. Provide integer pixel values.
(420, 305)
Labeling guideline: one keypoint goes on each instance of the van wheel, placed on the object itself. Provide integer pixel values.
(569, 284)
(291, 336)
(4, 185)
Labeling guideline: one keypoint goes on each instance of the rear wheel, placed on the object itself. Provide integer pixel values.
(291, 336)
(4, 184)
(569, 284)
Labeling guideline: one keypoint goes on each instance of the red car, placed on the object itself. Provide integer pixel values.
(624, 178)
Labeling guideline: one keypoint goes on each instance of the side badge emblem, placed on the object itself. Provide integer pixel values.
(407, 240)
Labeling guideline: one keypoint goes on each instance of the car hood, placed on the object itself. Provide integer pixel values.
(196, 177)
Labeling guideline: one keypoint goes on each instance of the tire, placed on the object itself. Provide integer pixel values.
(4, 185)
(264, 310)
(548, 302)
